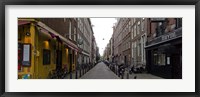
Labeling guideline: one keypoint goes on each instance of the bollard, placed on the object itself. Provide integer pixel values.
(76, 75)
(127, 75)
(79, 73)
(70, 75)
(122, 76)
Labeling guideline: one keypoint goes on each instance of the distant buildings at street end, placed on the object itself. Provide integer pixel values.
(154, 44)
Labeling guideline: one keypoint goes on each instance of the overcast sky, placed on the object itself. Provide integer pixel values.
(102, 30)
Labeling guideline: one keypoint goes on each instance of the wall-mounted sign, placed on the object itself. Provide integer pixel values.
(157, 19)
(169, 36)
(165, 37)
(26, 55)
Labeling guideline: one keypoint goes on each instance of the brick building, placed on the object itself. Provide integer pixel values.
(121, 41)
(56, 43)
(164, 47)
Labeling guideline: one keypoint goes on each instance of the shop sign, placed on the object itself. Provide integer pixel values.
(169, 36)
(157, 19)
(166, 37)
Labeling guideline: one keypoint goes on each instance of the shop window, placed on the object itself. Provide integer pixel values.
(20, 55)
(46, 56)
(159, 58)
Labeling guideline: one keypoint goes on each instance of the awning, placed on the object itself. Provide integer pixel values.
(22, 22)
(77, 50)
(58, 36)
(85, 53)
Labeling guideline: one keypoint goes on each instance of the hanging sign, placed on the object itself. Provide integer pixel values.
(26, 55)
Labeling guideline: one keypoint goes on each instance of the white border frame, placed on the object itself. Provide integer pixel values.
(187, 84)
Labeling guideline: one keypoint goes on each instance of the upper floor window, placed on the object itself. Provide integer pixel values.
(74, 33)
(70, 30)
(138, 28)
(134, 30)
(143, 25)
(178, 22)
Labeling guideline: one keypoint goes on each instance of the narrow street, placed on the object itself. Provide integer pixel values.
(69, 48)
(100, 71)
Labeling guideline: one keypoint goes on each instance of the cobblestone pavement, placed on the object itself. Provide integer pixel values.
(144, 76)
(73, 75)
(100, 71)
(141, 76)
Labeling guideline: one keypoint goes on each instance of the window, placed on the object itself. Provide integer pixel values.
(143, 24)
(46, 56)
(74, 33)
(20, 55)
(159, 58)
(70, 29)
(138, 47)
(135, 44)
(132, 33)
(178, 22)
(132, 22)
(134, 30)
(132, 48)
(129, 26)
(78, 22)
(138, 28)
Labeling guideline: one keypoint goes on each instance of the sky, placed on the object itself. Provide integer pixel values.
(102, 31)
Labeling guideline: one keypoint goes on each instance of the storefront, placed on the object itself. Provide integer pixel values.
(41, 50)
(164, 55)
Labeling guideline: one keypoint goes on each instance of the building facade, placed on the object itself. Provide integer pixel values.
(164, 47)
(138, 41)
(122, 41)
(52, 44)
(94, 50)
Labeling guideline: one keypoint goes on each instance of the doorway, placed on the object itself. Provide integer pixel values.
(58, 59)
(176, 60)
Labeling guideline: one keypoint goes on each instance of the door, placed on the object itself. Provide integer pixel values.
(58, 59)
(125, 60)
(176, 66)
(176, 60)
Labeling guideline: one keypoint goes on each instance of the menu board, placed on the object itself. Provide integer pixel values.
(26, 55)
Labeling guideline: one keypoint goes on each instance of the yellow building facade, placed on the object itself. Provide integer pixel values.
(47, 52)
